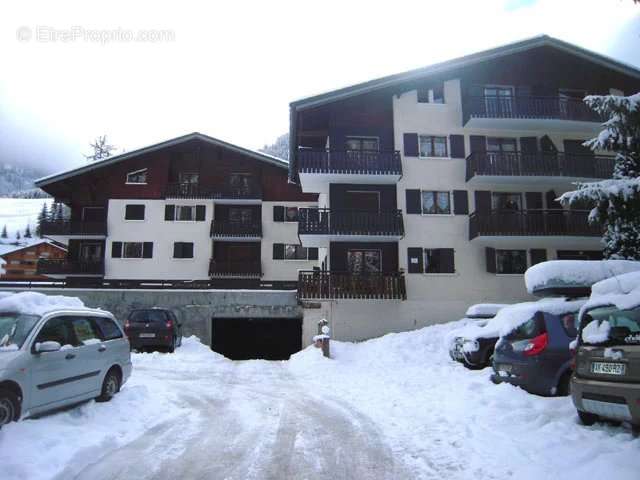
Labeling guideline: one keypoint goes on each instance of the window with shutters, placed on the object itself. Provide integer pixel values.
(139, 177)
(183, 250)
(509, 202)
(134, 212)
(432, 146)
(362, 144)
(132, 249)
(290, 214)
(436, 203)
(296, 252)
(436, 260)
(511, 261)
(185, 213)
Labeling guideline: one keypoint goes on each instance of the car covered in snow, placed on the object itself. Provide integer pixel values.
(606, 384)
(533, 350)
(55, 352)
(468, 345)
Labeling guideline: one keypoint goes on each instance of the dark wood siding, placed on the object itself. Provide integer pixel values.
(339, 196)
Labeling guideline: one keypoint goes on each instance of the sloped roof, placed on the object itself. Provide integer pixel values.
(57, 245)
(278, 162)
(478, 57)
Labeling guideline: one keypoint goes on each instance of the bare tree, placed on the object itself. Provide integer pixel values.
(101, 149)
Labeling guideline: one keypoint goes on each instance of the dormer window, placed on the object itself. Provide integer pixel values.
(139, 177)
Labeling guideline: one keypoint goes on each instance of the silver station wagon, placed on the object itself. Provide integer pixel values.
(62, 357)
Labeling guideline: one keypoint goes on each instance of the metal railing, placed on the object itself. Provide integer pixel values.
(327, 285)
(221, 228)
(70, 267)
(252, 190)
(532, 223)
(543, 164)
(68, 227)
(556, 108)
(326, 221)
(235, 269)
(349, 162)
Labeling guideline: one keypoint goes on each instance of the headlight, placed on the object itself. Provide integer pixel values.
(470, 346)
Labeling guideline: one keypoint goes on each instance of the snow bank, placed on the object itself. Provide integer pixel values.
(563, 273)
(36, 303)
(484, 310)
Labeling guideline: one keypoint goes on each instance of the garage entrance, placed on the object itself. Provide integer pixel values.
(252, 338)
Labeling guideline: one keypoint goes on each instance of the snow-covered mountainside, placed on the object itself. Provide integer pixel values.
(391, 408)
(18, 181)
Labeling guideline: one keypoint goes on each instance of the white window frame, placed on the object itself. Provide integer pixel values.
(446, 146)
(362, 137)
(178, 207)
(450, 214)
(141, 257)
(295, 259)
(127, 182)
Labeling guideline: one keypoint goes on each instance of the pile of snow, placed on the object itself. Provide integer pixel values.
(596, 332)
(484, 310)
(34, 303)
(512, 316)
(572, 273)
(621, 291)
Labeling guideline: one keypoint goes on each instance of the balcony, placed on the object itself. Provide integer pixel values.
(67, 228)
(318, 226)
(563, 226)
(529, 112)
(235, 269)
(236, 231)
(319, 168)
(521, 168)
(324, 285)
(66, 267)
(249, 193)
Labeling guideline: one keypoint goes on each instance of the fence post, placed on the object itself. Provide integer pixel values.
(321, 340)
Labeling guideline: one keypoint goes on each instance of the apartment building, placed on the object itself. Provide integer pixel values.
(437, 187)
(192, 209)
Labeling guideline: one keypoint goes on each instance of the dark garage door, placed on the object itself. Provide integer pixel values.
(248, 338)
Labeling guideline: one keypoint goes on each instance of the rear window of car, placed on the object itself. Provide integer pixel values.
(569, 323)
(108, 328)
(530, 329)
(148, 316)
(611, 326)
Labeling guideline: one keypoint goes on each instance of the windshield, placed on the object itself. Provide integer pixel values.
(14, 329)
(610, 326)
(147, 316)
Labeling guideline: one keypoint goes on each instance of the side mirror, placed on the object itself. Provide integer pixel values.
(44, 347)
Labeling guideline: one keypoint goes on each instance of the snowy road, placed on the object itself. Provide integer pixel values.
(246, 420)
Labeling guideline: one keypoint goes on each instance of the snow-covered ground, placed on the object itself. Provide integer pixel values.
(395, 407)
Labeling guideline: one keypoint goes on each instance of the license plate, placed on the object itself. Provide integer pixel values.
(147, 335)
(608, 368)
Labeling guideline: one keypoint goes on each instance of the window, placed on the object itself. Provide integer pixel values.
(502, 145)
(84, 331)
(364, 261)
(290, 214)
(431, 146)
(185, 213)
(431, 95)
(510, 202)
(108, 328)
(240, 215)
(511, 261)
(182, 249)
(362, 144)
(499, 101)
(436, 203)
(295, 252)
(138, 177)
(569, 322)
(132, 250)
(189, 177)
(56, 330)
(134, 212)
(438, 260)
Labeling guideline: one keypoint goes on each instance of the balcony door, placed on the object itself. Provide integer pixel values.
(241, 215)
(93, 214)
(501, 155)
(578, 158)
(90, 252)
(499, 101)
(570, 103)
(364, 261)
(362, 200)
(241, 184)
(361, 152)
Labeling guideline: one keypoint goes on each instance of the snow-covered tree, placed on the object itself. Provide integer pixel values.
(27, 232)
(18, 236)
(101, 149)
(4, 233)
(280, 148)
(617, 200)
(42, 216)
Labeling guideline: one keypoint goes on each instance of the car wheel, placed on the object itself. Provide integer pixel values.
(110, 386)
(9, 407)
(564, 385)
(172, 347)
(587, 418)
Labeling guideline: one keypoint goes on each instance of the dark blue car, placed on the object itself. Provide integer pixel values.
(536, 355)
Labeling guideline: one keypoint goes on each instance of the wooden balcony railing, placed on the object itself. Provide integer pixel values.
(532, 223)
(221, 228)
(539, 164)
(325, 285)
(70, 267)
(326, 221)
(235, 269)
(67, 227)
(197, 191)
(527, 107)
(349, 162)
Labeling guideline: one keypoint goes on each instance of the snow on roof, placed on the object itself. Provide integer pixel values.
(573, 273)
(44, 240)
(36, 303)
(512, 316)
(623, 291)
(484, 309)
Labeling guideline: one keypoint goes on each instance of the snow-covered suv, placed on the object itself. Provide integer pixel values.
(54, 352)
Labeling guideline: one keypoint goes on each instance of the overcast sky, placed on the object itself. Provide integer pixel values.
(231, 70)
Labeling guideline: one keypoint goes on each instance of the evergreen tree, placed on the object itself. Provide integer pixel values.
(18, 236)
(27, 232)
(617, 200)
(4, 233)
(59, 216)
(42, 216)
